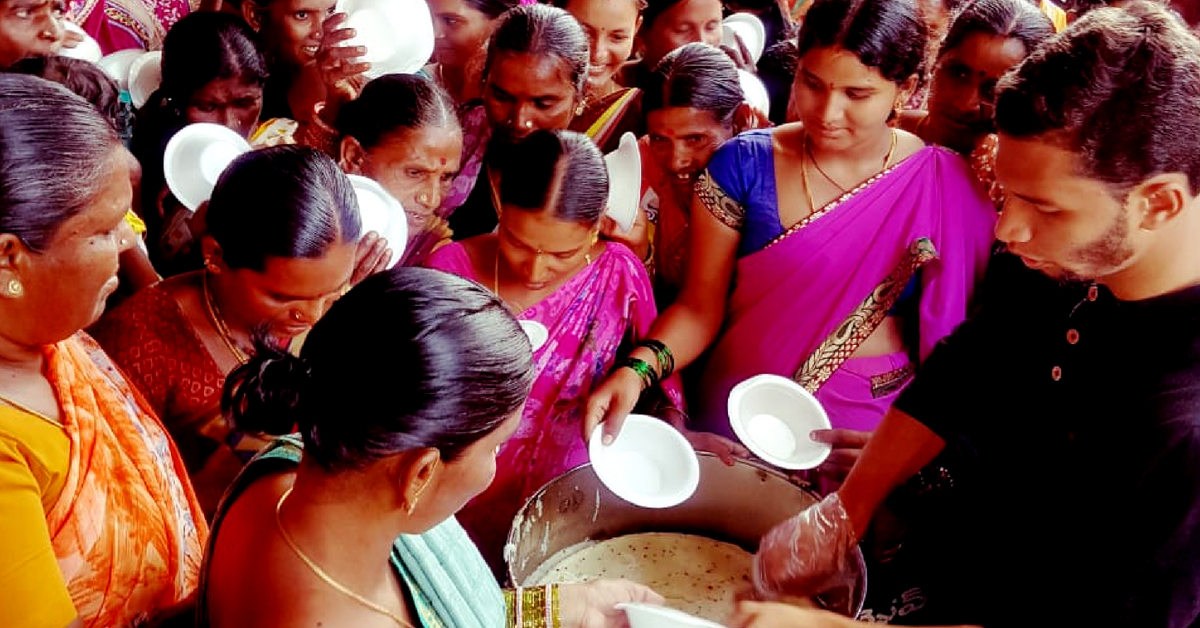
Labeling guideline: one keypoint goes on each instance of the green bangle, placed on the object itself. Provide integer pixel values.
(643, 369)
(663, 355)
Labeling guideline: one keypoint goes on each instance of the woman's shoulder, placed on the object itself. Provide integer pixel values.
(31, 442)
(625, 263)
(737, 154)
(148, 307)
(753, 139)
(150, 314)
(453, 258)
(241, 570)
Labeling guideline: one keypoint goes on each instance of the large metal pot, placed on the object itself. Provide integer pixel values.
(737, 504)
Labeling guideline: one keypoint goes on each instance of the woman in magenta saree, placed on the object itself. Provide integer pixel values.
(836, 250)
(547, 263)
(916, 235)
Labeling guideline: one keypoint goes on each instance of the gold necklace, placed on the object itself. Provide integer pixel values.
(218, 321)
(817, 165)
(812, 205)
(887, 161)
(326, 578)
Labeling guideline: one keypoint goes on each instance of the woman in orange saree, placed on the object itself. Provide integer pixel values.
(100, 525)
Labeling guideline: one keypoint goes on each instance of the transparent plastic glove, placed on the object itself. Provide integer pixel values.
(809, 554)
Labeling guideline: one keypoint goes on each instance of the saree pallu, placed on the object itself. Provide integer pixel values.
(476, 135)
(805, 302)
(120, 24)
(607, 119)
(588, 317)
(450, 584)
(126, 529)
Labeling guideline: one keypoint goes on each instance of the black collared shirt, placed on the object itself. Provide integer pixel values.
(1074, 418)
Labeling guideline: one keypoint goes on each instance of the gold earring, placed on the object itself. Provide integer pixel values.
(14, 288)
(412, 506)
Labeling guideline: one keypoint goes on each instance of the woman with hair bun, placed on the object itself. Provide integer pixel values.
(534, 78)
(351, 523)
(547, 263)
(272, 271)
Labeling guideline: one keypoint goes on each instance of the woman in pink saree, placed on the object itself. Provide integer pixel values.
(547, 264)
(837, 250)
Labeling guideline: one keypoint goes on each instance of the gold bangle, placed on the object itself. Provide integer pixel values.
(510, 608)
(555, 609)
(535, 607)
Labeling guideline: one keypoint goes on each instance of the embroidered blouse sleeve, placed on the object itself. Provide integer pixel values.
(720, 188)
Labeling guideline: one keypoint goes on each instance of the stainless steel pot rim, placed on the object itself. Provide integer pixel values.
(531, 505)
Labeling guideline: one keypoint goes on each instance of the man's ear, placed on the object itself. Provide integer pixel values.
(1160, 199)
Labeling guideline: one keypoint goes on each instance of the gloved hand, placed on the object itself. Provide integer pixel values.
(811, 553)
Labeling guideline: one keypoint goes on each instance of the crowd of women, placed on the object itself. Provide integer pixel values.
(238, 415)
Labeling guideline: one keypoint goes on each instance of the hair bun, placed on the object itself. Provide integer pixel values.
(262, 394)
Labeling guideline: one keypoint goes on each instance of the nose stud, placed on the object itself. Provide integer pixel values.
(528, 124)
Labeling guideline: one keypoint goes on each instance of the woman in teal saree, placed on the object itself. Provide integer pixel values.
(350, 522)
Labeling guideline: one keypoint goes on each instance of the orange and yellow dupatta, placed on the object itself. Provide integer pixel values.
(127, 530)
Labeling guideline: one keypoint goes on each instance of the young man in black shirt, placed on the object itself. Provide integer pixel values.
(1070, 404)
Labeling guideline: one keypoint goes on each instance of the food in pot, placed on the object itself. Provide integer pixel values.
(697, 575)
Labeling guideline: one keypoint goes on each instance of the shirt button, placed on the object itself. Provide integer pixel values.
(1072, 336)
(1093, 293)
(1056, 373)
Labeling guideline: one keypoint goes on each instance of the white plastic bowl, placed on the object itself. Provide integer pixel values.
(398, 34)
(650, 616)
(773, 416)
(749, 28)
(195, 158)
(382, 213)
(537, 332)
(145, 76)
(624, 181)
(650, 464)
(118, 64)
(755, 92)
